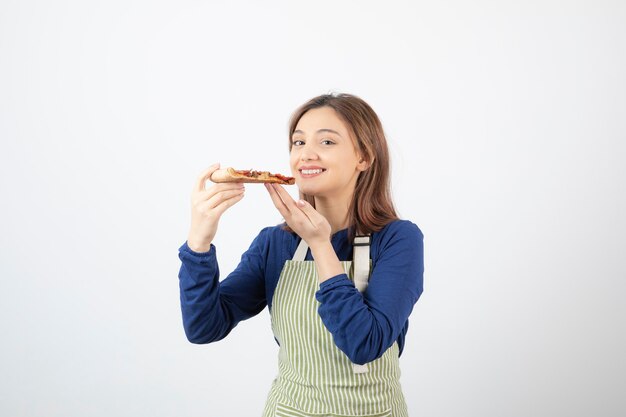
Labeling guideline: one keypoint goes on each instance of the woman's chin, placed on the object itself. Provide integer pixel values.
(308, 189)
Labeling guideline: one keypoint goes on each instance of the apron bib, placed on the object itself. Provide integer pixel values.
(315, 378)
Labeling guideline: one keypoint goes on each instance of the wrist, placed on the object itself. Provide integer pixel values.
(199, 246)
(320, 245)
(326, 260)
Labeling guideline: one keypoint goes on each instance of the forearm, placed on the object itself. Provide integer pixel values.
(326, 261)
(204, 319)
(362, 334)
(211, 309)
(365, 325)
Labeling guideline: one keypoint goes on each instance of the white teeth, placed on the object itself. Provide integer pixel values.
(311, 171)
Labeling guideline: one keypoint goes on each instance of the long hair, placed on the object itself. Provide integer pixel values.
(371, 207)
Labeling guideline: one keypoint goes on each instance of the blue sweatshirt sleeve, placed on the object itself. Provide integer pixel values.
(365, 325)
(210, 308)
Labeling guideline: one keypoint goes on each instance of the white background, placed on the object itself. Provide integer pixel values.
(507, 128)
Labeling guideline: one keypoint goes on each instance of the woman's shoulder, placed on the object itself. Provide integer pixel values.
(274, 244)
(276, 235)
(400, 228)
(397, 233)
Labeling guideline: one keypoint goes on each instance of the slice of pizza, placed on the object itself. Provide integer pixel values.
(250, 176)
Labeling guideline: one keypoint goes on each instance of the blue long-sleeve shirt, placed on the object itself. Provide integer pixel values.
(363, 326)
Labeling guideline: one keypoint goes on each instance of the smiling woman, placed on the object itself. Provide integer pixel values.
(340, 276)
(325, 161)
(353, 125)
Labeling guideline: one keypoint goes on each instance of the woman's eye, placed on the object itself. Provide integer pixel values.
(327, 142)
(297, 142)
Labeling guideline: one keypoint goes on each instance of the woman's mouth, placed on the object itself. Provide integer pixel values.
(309, 173)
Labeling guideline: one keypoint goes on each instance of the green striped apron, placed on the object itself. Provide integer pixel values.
(315, 378)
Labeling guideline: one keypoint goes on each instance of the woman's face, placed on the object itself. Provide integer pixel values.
(324, 160)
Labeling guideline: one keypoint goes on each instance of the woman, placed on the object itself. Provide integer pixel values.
(339, 338)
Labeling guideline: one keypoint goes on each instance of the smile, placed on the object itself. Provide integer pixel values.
(311, 172)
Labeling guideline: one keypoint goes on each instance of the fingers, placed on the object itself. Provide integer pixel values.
(223, 196)
(201, 183)
(291, 212)
(208, 205)
(284, 196)
(308, 210)
(208, 200)
(225, 203)
(295, 207)
(278, 201)
(198, 196)
(212, 209)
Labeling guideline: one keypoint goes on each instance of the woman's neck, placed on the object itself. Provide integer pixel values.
(335, 211)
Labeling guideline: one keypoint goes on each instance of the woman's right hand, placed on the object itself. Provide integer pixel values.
(207, 206)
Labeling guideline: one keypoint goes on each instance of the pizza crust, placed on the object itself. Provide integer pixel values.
(232, 175)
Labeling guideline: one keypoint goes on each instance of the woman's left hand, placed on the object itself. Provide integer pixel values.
(303, 219)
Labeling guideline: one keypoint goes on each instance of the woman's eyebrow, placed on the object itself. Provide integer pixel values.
(319, 131)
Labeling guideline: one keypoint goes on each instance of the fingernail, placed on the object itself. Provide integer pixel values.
(301, 203)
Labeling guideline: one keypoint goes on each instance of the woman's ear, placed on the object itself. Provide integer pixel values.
(363, 165)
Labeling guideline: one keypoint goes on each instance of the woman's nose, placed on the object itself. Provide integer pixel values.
(308, 155)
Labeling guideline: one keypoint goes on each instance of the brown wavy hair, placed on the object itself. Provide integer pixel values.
(372, 207)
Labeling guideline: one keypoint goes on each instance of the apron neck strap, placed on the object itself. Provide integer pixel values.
(361, 261)
(301, 251)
